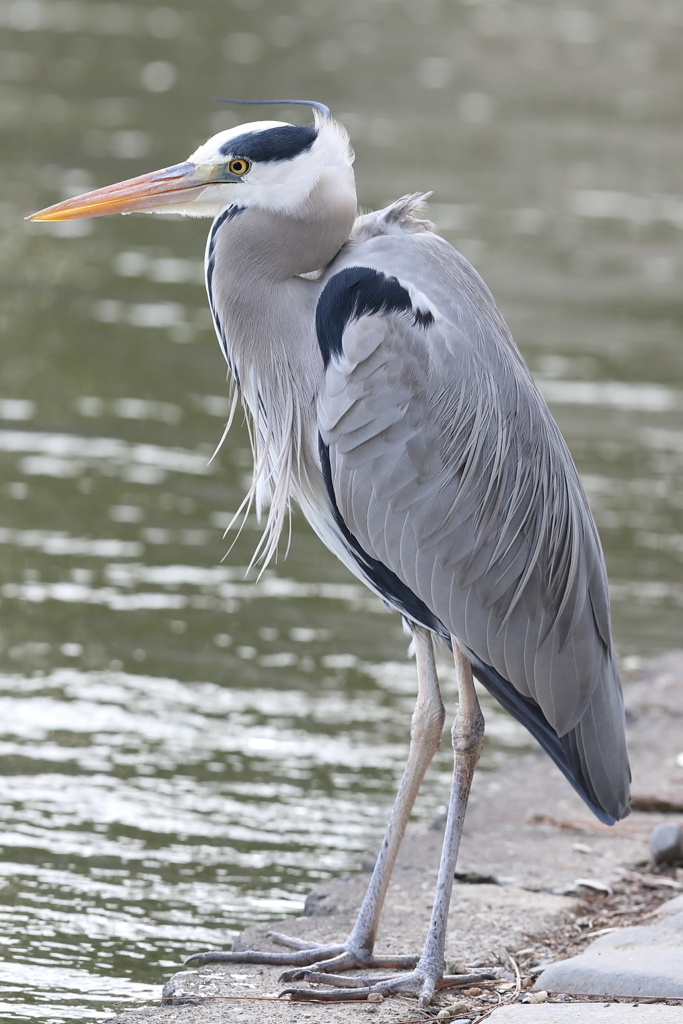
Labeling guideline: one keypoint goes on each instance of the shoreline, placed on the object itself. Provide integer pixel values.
(538, 877)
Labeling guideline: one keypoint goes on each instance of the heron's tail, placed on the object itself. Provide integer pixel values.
(592, 756)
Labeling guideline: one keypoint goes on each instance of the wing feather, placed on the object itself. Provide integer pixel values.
(448, 468)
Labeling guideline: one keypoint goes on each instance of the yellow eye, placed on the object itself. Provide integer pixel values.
(238, 166)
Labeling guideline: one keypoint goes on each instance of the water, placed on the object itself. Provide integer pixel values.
(186, 751)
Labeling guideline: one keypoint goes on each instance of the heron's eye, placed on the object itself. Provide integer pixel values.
(238, 166)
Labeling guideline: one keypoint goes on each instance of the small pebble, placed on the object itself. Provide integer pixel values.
(375, 997)
(595, 884)
(452, 1010)
(370, 1009)
(536, 997)
(473, 991)
(527, 982)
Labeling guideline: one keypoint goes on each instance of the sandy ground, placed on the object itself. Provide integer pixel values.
(532, 838)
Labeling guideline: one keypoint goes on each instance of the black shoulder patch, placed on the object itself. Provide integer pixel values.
(356, 292)
(282, 143)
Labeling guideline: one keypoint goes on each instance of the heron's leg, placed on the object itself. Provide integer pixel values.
(467, 734)
(425, 735)
(357, 951)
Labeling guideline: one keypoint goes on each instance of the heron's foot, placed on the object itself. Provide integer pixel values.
(301, 955)
(347, 960)
(420, 982)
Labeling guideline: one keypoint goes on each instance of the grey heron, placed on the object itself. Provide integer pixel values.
(388, 399)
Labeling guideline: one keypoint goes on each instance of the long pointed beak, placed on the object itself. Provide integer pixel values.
(181, 183)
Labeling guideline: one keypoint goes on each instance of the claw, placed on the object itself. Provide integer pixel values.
(298, 974)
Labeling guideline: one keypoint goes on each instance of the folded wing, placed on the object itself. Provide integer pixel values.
(445, 467)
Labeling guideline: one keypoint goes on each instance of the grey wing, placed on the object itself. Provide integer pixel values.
(448, 470)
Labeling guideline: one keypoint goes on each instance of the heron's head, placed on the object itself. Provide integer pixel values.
(285, 168)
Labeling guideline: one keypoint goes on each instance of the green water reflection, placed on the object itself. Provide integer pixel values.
(185, 751)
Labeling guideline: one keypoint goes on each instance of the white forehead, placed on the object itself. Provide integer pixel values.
(210, 150)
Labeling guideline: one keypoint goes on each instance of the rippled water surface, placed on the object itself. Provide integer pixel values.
(184, 749)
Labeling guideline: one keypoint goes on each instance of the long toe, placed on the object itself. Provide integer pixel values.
(337, 980)
(295, 958)
(330, 995)
(462, 980)
(407, 961)
(291, 941)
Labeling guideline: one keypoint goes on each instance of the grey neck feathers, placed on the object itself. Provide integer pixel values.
(266, 314)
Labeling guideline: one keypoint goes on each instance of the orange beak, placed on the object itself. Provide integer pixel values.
(182, 183)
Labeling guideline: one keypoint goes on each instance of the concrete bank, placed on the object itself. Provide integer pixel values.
(540, 879)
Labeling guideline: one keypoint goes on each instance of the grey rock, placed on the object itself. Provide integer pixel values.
(585, 1013)
(674, 906)
(636, 961)
(666, 844)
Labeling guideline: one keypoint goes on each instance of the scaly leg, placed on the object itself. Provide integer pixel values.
(467, 733)
(357, 951)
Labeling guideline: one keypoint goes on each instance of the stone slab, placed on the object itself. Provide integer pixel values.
(587, 1013)
(281, 1012)
(637, 961)
(674, 906)
(481, 916)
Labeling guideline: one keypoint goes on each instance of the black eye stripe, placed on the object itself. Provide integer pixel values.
(282, 143)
